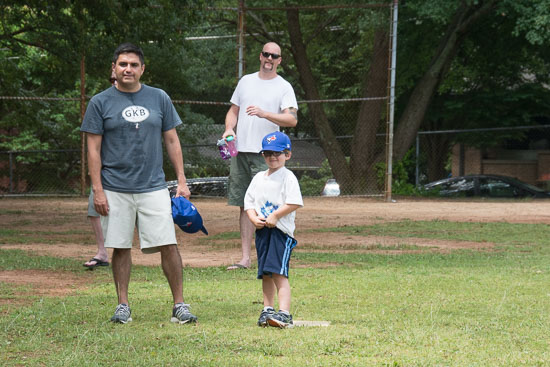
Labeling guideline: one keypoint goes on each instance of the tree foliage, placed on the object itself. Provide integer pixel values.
(490, 63)
(43, 42)
(461, 64)
(495, 74)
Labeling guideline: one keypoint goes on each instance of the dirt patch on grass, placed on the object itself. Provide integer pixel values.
(45, 282)
(42, 283)
(59, 227)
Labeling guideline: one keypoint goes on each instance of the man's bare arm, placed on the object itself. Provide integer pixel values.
(231, 121)
(94, 166)
(287, 118)
(173, 148)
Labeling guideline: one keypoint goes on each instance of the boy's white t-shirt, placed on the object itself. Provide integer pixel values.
(271, 95)
(268, 193)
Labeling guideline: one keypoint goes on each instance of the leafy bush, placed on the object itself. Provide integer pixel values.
(313, 186)
(401, 183)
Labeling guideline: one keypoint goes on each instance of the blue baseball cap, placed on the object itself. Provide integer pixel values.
(276, 142)
(186, 215)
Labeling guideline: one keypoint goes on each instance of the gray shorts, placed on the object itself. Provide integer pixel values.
(244, 167)
(91, 209)
(150, 212)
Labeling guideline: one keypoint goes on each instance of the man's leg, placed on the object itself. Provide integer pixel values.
(122, 264)
(100, 241)
(95, 220)
(247, 237)
(243, 168)
(173, 270)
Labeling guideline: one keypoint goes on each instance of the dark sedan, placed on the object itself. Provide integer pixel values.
(487, 186)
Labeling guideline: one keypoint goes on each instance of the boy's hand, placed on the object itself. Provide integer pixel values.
(273, 218)
(271, 221)
(259, 222)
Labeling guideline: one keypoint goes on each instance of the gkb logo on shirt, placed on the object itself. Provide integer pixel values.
(135, 114)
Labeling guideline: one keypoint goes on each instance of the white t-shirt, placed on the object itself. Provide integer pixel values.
(267, 193)
(272, 95)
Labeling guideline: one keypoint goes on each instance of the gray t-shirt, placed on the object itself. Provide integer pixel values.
(132, 126)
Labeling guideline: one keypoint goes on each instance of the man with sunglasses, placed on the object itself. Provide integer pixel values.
(262, 103)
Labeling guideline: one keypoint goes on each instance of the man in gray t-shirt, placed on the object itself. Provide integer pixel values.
(125, 127)
(131, 126)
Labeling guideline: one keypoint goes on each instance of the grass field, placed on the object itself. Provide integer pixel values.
(388, 304)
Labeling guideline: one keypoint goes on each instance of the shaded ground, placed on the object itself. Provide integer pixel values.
(58, 227)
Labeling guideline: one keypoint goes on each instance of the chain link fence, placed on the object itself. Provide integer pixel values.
(342, 130)
(39, 172)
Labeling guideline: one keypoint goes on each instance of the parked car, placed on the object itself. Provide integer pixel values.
(205, 186)
(488, 186)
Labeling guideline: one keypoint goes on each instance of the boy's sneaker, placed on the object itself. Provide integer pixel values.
(262, 321)
(280, 320)
(122, 314)
(181, 314)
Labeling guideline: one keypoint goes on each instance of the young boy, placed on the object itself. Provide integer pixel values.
(270, 202)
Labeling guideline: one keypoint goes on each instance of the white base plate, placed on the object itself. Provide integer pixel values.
(311, 323)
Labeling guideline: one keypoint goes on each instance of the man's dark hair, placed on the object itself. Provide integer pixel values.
(128, 47)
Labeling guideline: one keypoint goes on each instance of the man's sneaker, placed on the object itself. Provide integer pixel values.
(262, 321)
(280, 320)
(181, 314)
(122, 314)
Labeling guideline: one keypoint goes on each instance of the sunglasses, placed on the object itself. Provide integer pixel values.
(273, 56)
(269, 153)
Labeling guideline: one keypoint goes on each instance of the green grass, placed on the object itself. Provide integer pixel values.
(40, 236)
(464, 308)
(20, 260)
(354, 247)
(501, 233)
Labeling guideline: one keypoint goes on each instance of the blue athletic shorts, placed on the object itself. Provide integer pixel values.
(273, 247)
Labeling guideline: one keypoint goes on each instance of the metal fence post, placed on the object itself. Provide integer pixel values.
(417, 168)
(240, 40)
(389, 148)
(82, 135)
(10, 154)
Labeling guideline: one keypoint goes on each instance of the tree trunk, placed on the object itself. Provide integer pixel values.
(332, 149)
(422, 94)
(363, 146)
